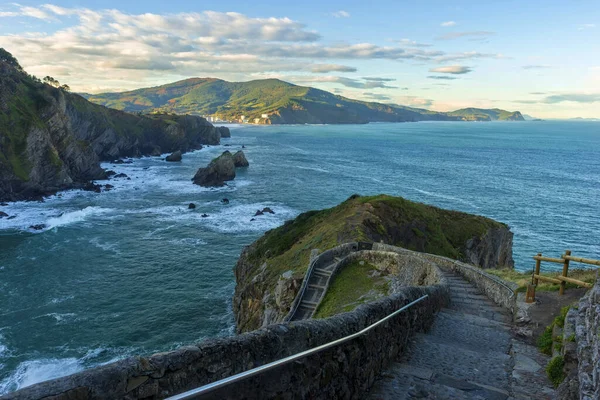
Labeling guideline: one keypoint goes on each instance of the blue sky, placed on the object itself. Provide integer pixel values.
(541, 57)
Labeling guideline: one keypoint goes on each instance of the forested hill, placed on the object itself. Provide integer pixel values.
(283, 102)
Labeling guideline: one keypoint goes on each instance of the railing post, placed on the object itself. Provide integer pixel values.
(564, 273)
(538, 264)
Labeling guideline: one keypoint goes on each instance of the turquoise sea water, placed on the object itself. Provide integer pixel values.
(133, 271)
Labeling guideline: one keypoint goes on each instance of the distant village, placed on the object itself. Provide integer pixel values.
(241, 120)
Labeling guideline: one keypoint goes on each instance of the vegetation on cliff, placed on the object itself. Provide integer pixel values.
(284, 102)
(51, 139)
(393, 220)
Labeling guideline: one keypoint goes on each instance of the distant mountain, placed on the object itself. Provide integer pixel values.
(584, 119)
(280, 102)
(480, 114)
(51, 139)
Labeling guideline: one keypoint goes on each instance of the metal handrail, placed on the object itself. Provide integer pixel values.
(255, 371)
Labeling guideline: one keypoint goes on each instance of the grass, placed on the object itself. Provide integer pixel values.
(524, 278)
(555, 372)
(354, 285)
(545, 341)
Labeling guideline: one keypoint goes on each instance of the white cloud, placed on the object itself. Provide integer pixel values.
(536, 66)
(452, 69)
(412, 43)
(365, 83)
(448, 24)
(472, 34)
(583, 27)
(324, 68)
(341, 14)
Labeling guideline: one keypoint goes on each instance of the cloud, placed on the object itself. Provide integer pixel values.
(448, 78)
(415, 101)
(468, 55)
(348, 82)
(452, 69)
(377, 96)
(341, 14)
(448, 24)
(574, 97)
(473, 34)
(24, 11)
(536, 66)
(583, 27)
(324, 68)
(375, 79)
(411, 43)
(537, 93)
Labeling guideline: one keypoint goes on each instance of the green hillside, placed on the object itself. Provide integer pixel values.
(284, 102)
(480, 114)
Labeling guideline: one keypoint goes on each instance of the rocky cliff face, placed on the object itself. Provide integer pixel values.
(269, 271)
(51, 139)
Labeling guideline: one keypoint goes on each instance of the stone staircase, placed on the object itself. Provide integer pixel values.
(469, 353)
(318, 281)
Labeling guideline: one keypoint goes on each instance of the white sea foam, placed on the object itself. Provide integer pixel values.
(59, 317)
(238, 218)
(58, 300)
(76, 216)
(313, 169)
(31, 372)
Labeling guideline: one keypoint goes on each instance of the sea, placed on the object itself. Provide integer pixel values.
(134, 271)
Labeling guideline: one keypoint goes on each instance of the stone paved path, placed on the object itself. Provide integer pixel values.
(317, 285)
(469, 353)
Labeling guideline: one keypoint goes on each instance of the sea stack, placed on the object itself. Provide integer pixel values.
(219, 170)
(239, 159)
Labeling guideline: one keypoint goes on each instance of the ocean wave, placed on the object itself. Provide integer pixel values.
(58, 300)
(313, 169)
(239, 218)
(31, 372)
(76, 216)
(60, 318)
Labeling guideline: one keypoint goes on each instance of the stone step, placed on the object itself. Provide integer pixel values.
(321, 272)
(458, 362)
(475, 320)
(309, 303)
(458, 330)
(317, 287)
(303, 304)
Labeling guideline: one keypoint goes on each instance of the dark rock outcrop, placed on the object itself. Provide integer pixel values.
(225, 201)
(52, 140)
(220, 170)
(224, 131)
(174, 157)
(239, 159)
(3, 214)
(191, 206)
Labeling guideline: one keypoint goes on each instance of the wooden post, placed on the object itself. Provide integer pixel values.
(530, 294)
(564, 273)
(538, 264)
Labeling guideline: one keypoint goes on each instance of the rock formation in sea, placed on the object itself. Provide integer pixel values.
(220, 170)
(51, 139)
(239, 159)
(269, 271)
(174, 157)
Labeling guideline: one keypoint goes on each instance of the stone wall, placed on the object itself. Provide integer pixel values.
(587, 336)
(342, 372)
(501, 292)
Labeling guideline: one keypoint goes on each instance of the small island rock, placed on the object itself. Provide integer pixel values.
(219, 170)
(239, 159)
(191, 206)
(174, 157)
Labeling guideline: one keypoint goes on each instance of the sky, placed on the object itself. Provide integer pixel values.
(539, 57)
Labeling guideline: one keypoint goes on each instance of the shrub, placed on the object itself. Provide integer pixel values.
(554, 369)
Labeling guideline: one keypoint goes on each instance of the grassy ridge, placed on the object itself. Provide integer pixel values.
(285, 102)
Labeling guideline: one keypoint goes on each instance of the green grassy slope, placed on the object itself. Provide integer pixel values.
(494, 114)
(285, 102)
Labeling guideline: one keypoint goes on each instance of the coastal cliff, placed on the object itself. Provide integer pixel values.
(269, 272)
(51, 139)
